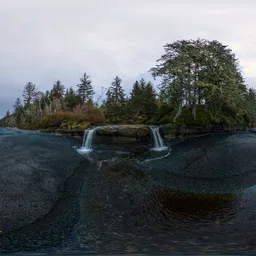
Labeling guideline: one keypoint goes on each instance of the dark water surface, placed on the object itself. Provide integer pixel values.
(199, 197)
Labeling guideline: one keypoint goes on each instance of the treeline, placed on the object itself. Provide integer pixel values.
(201, 84)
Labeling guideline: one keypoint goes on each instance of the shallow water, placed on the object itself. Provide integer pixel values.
(199, 196)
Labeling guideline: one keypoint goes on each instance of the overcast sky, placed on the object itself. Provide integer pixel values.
(47, 40)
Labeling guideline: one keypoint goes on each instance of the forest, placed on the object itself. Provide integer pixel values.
(200, 84)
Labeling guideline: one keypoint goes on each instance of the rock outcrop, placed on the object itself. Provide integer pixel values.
(172, 131)
(140, 132)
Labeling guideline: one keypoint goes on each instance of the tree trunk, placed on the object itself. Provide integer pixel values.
(179, 111)
(187, 100)
(194, 111)
(199, 96)
(195, 101)
(217, 112)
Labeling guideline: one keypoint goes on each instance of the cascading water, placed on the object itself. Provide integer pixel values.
(157, 139)
(87, 141)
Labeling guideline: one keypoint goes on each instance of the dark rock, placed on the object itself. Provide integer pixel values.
(172, 131)
(252, 130)
(130, 131)
(76, 133)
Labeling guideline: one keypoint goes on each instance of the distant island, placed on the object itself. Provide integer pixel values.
(200, 84)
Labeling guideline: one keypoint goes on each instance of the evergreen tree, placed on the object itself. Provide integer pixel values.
(135, 100)
(58, 90)
(71, 99)
(17, 104)
(115, 102)
(7, 115)
(149, 101)
(85, 90)
(200, 72)
(29, 93)
(142, 101)
(250, 99)
(18, 112)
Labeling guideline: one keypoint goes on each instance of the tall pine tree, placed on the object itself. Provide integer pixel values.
(29, 93)
(18, 112)
(142, 101)
(58, 90)
(115, 102)
(85, 90)
(71, 99)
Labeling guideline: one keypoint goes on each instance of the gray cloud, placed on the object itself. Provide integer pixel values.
(42, 41)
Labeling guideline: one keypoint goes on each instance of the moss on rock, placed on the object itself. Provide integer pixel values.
(131, 131)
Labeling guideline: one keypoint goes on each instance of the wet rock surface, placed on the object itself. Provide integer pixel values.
(173, 131)
(33, 168)
(198, 197)
(129, 131)
(55, 228)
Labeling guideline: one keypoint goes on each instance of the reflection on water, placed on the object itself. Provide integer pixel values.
(183, 211)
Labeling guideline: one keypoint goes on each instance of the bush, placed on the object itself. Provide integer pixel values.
(93, 115)
(82, 117)
(186, 117)
(225, 118)
(139, 122)
(162, 112)
(203, 117)
(164, 120)
(152, 121)
(60, 119)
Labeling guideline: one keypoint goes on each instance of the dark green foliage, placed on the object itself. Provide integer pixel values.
(71, 99)
(115, 102)
(29, 93)
(18, 112)
(58, 90)
(250, 102)
(85, 90)
(201, 84)
(205, 74)
(142, 102)
(7, 115)
(55, 120)
(162, 114)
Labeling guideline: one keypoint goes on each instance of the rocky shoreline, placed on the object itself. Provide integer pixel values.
(142, 132)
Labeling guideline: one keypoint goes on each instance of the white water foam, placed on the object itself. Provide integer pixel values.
(87, 142)
(157, 140)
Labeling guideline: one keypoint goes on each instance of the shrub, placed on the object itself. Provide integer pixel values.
(163, 111)
(225, 118)
(164, 120)
(203, 117)
(55, 120)
(139, 122)
(93, 115)
(82, 117)
(151, 121)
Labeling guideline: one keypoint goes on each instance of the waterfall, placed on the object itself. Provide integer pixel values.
(157, 139)
(87, 141)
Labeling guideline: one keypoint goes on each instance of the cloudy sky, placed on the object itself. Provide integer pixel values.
(47, 40)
